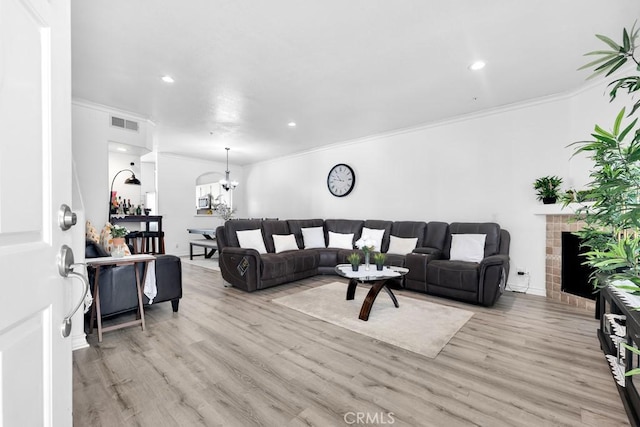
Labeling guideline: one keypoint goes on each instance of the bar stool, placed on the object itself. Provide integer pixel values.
(132, 239)
(152, 242)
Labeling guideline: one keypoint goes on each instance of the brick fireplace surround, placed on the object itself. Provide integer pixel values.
(556, 224)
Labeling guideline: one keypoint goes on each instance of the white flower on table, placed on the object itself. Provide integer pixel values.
(366, 244)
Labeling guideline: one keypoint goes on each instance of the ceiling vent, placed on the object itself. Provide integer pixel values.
(124, 123)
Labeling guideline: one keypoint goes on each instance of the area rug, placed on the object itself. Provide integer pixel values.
(419, 326)
(210, 264)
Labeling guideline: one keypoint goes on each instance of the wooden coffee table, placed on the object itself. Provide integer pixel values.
(377, 279)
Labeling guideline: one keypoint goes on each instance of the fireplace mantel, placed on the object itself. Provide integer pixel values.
(560, 209)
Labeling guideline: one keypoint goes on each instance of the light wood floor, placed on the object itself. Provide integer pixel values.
(229, 358)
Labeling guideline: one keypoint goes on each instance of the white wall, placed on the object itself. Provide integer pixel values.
(176, 198)
(477, 168)
(91, 133)
(121, 161)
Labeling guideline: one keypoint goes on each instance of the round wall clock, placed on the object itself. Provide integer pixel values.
(341, 180)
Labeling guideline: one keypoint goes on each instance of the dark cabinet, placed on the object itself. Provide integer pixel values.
(620, 323)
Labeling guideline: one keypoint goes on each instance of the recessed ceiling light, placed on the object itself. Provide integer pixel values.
(167, 79)
(478, 65)
(291, 124)
(124, 150)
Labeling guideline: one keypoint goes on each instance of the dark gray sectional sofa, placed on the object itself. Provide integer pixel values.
(430, 268)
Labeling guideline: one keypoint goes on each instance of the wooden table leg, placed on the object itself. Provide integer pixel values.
(351, 289)
(371, 297)
(139, 287)
(392, 296)
(96, 299)
(96, 289)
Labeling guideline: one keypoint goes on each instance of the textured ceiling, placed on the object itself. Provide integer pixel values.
(339, 69)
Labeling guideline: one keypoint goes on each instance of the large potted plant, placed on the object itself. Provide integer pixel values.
(612, 231)
(547, 188)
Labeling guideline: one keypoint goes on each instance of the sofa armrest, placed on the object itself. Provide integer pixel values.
(417, 263)
(241, 267)
(493, 277)
(494, 260)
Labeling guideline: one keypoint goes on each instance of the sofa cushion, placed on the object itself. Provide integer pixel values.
(436, 235)
(106, 240)
(251, 239)
(284, 242)
(91, 233)
(344, 226)
(402, 246)
(467, 247)
(410, 229)
(328, 257)
(277, 265)
(230, 228)
(304, 260)
(458, 275)
(340, 240)
(374, 235)
(313, 237)
(94, 250)
(492, 230)
(378, 224)
(271, 227)
(296, 225)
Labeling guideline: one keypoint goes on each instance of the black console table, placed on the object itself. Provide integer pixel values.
(154, 236)
(619, 323)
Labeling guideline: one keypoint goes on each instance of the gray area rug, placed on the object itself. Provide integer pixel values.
(418, 326)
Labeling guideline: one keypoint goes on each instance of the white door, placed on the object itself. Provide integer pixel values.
(35, 179)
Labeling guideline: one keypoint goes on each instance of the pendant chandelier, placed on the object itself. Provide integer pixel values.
(226, 183)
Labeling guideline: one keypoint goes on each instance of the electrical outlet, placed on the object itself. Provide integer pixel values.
(521, 271)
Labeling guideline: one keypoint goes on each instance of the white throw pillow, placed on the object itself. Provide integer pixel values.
(340, 240)
(467, 247)
(251, 239)
(313, 237)
(374, 235)
(402, 245)
(284, 242)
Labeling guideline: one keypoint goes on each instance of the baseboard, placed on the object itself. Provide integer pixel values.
(79, 341)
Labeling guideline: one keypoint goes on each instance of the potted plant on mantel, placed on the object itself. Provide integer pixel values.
(548, 189)
(612, 230)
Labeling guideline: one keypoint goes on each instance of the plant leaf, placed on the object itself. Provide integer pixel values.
(610, 42)
(608, 64)
(603, 132)
(616, 125)
(618, 65)
(598, 61)
(626, 130)
(602, 52)
(635, 371)
(625, 40)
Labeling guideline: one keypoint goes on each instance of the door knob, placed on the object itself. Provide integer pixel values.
(66, 218)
